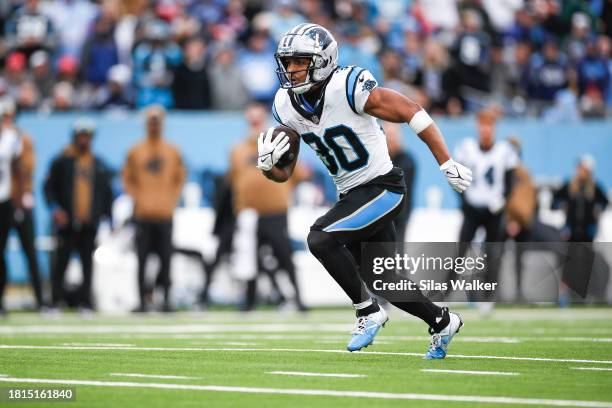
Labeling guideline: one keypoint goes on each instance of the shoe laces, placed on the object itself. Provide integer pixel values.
(360, 325)
(436, 341)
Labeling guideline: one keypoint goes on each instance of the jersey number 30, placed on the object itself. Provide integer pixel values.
(339, 146)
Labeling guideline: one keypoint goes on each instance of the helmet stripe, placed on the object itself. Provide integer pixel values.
(308, 27)
(297, 28)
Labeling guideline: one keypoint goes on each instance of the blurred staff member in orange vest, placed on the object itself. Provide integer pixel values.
(23, 218)
(267, 201)
(154, 175)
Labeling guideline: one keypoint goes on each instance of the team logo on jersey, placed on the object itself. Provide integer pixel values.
(368, 85)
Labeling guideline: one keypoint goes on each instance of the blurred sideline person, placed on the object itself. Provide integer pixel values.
(11, 179)
(153, 176)
(522, 223)
(583, 201)
(23, 216)
(493, 164)
(404, 160)
(78, 191)
(268, 201)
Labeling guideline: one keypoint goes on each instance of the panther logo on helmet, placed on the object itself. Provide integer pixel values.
(306, 41)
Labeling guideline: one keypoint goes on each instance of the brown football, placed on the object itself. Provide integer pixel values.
(294, 145)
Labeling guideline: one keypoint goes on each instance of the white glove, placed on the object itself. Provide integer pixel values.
(458, 176)
(270, 151)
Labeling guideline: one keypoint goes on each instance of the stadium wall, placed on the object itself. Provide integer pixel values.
(205, 139)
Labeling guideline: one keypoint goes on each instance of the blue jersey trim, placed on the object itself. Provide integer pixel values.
(369, 213)
(350, 80)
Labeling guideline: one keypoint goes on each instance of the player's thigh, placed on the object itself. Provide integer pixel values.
(360, 214)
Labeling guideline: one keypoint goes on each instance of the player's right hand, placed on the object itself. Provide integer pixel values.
(270, 151)
(458, 176)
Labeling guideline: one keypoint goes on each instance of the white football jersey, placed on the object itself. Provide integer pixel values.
(488, 171)
(10, 149)
(350, 142)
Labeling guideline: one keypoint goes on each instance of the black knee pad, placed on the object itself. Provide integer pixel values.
(320, 242)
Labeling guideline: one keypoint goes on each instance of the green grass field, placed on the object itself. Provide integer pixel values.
(522, 357)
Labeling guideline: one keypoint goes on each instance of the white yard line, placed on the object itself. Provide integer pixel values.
(298, 350)
(327, 393)
(592, 368)
(435, 370)
(304, 374)
(180, 328)
(99, 344)
(165, 377)
(204, 332)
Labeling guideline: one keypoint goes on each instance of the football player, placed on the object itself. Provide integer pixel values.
(334, 110)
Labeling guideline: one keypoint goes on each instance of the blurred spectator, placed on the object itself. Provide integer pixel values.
(153, 176)
(403, 159)
(526, 28)
(576, 42)
(68, 69)
(63, 97)
(78, 192)
(258, 68)
(30, 30)
(191, 86)
(71, 19)
(23, 199)
(41, 73)
(283, 17)
(116, 94)
(100, 51)
(583, 201)
(226, 79)
(593, 71)
(28, 97)
(501, 13)
(15, 72)
(355, 49)
(431, 74)
(441, 14)
(154, 61)
(471, 53)
(547, 74)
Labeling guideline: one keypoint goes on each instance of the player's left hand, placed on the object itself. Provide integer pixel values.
(270, 151)
(458, 176)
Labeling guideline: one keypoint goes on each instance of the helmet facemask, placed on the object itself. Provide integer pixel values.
(285, 76)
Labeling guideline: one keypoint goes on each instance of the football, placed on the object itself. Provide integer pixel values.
(294, 145)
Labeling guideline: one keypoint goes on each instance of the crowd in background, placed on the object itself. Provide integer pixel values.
(549, 58)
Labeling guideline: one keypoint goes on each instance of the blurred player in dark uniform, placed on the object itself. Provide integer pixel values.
(23, 216)
(11, 185)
